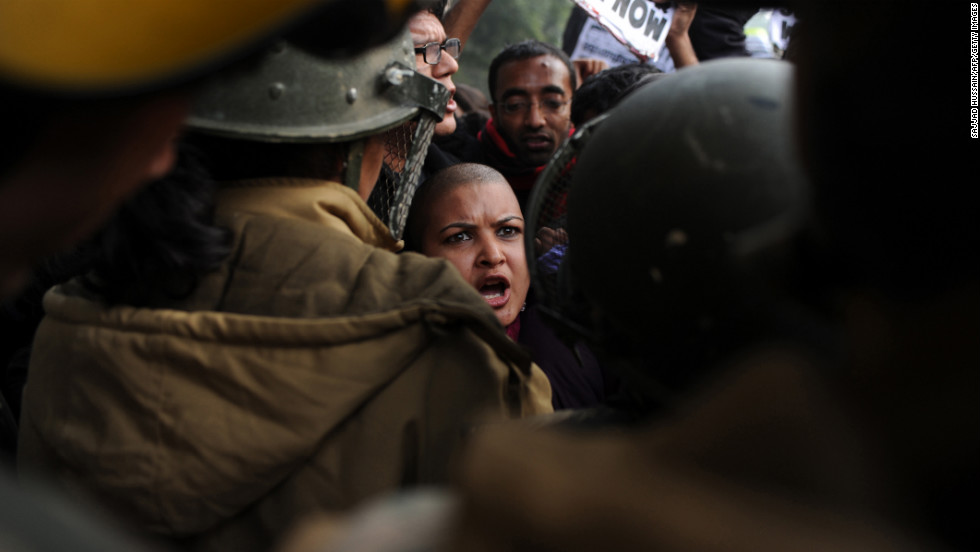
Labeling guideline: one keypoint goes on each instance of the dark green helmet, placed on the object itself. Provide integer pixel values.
(290, 95)
(294, 96)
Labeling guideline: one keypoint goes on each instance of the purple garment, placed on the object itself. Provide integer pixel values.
(551, 260)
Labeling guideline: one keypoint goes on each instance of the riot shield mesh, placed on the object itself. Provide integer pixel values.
(405, 149)
(546, 238)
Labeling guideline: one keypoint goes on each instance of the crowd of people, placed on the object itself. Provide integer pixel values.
(277, 283)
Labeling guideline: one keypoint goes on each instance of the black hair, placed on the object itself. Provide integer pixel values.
(470, 99)
(367, 24)
(603, 90)
(162, 240)
(526, 50)
(232, 159)
(437, 8)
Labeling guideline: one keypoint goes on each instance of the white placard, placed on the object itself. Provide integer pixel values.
(780, 25)
(640, 25)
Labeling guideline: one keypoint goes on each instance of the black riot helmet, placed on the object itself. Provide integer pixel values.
(675, 200)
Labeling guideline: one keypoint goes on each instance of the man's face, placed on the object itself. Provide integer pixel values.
(531, 106)
(426, 27)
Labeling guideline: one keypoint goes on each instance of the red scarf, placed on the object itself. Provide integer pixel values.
(514, 329)
(521, 177)
(494, 135)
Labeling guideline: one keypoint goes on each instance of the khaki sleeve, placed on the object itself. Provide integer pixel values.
(538, 397)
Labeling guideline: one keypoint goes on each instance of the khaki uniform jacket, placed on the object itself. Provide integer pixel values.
(314, 370)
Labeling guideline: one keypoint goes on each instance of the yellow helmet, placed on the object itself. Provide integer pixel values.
(112, 47)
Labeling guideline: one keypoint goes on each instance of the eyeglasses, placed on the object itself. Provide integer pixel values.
(548, 106)
(432, 51)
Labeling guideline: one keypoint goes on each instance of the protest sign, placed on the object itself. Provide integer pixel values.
(640, 25)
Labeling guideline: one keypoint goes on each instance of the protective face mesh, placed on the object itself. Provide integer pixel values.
(546, 238)
(405, 149)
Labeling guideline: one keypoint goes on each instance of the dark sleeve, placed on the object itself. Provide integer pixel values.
(462, 146)
(436, 159)
(719, 32)
(573, 28)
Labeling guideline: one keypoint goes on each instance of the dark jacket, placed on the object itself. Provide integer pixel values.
(577, 380)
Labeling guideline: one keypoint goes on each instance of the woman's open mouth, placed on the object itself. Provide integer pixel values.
(495, 291)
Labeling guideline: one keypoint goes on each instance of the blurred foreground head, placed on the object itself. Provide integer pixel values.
(109, 48)
(886, 157)
(681, 200)
(896, 231)
(95, 92)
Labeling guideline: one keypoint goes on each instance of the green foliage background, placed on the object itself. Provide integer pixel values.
(508, 22)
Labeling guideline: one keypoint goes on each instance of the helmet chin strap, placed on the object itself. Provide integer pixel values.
(352, 170)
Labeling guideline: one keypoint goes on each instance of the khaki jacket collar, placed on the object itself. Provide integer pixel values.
(321, 202)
